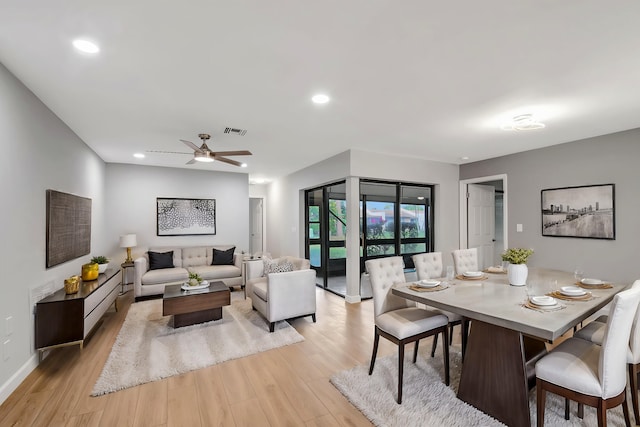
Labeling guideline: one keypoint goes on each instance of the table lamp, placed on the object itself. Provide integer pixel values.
(128, 241)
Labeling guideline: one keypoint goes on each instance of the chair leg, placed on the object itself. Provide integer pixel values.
(540, 402)
(445, 355)
(633, 385)
(376, 339)
(450, 334)
(580, 410)
(566, 409)
(625, 411)
(415, 351)
(400, 370)
(313, 317)
(465, 333)
(601, 414)
(272, 326)
(434, 345)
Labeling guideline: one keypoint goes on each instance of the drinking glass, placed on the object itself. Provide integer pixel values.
(578, 274)
(505, 265)
(450, 274)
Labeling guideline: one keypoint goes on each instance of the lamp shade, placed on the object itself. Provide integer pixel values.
(128, 241)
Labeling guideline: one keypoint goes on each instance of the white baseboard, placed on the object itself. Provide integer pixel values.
(12, 383)
(352, 299)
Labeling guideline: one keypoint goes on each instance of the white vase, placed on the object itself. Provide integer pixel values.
(102, 267)
(517, 274)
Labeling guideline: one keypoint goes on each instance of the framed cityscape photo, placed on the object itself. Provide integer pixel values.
(185, 217)
(587, 212)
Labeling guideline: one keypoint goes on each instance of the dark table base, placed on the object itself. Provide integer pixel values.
(190, 308)
(498, 371)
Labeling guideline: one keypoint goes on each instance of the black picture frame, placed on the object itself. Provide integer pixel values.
(586, 211)
(185, 217)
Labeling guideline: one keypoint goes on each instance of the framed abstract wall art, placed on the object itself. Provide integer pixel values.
(185, 217)
(587, 211)
(68, 227)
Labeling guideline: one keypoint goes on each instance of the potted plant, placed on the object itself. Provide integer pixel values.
(517, 271)
(102, 261)
(194, 279)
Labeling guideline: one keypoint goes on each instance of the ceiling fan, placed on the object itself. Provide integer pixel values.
(204, 153)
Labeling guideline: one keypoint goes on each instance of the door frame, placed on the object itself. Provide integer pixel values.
(463, 207)
(264, 222)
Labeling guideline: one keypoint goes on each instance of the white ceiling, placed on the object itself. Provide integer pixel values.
(427, 79)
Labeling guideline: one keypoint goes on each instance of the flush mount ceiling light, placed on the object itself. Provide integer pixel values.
(244, 165)
(139, 156)
(86, 46)
(320, 98)
(523, 122)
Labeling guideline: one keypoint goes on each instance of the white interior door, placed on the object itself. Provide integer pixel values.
(255, 226)
(481, 222)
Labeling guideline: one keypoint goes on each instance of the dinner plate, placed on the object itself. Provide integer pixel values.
(543, 300)
(591, 282)
(572, 291)
(427, 283)
(472, 274)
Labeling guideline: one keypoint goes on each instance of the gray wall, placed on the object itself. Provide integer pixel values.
(601, 160)
(39, 152)
(131, 204)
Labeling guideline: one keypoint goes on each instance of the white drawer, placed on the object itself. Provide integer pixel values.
(92, 318)
(93, 300)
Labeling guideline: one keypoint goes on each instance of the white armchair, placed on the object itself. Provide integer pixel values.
(285, 295)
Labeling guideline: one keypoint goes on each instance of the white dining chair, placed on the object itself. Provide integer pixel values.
(429, 266)
(465, 260)
(590, 374)
(398, 319)
(594, 332)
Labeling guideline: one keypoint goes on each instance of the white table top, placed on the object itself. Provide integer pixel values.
(496, 302)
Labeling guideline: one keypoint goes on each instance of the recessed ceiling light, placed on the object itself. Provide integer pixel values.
(259, 181)
(523, 122)
(86, 46)
(320, 98)
(464, 158)
(244, 165)
(139, 156)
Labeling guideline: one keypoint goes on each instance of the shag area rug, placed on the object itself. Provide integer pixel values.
(147, 349)
(427, 401)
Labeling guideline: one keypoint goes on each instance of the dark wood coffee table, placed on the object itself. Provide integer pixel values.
(197, 306)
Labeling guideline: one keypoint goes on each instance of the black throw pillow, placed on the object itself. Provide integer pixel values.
(223, 257)
(158, 260)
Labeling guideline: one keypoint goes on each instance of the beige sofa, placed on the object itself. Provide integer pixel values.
(285, 295)
(191, 259)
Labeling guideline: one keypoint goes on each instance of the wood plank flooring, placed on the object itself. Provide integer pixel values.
(287, 386)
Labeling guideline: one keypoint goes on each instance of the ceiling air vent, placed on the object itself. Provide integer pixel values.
(235, 131)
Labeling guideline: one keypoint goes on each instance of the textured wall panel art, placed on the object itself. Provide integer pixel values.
(184, 217)
(68, 227)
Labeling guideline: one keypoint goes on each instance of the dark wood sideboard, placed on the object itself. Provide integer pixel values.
(62, 319)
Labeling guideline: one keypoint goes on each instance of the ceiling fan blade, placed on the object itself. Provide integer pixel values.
(225, 160)
(232, 153)
(167, 152)
(190, 162)
(192, 146)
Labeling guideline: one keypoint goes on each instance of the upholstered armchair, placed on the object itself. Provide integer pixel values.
(281, 289)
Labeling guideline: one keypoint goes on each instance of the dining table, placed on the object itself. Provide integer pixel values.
(508, 333)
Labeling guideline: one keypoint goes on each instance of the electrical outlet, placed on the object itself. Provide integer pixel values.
(8, 325)
(6, 350)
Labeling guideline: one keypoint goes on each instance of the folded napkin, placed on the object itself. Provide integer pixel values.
(495, 270)
(599, 286)
(559, 295)
(440, 287)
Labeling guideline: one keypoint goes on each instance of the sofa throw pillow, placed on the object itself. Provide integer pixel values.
(158, 260)
(273, 266)
(223, 257)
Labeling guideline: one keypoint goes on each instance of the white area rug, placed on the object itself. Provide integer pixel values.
(147, 349)
(427, 401)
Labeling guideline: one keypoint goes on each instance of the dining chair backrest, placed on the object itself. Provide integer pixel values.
(383, 274)
(634, 339)
(428, 265)
(465, 260)
(612, 371)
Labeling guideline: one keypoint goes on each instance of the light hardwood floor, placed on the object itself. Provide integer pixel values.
(287, 386)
